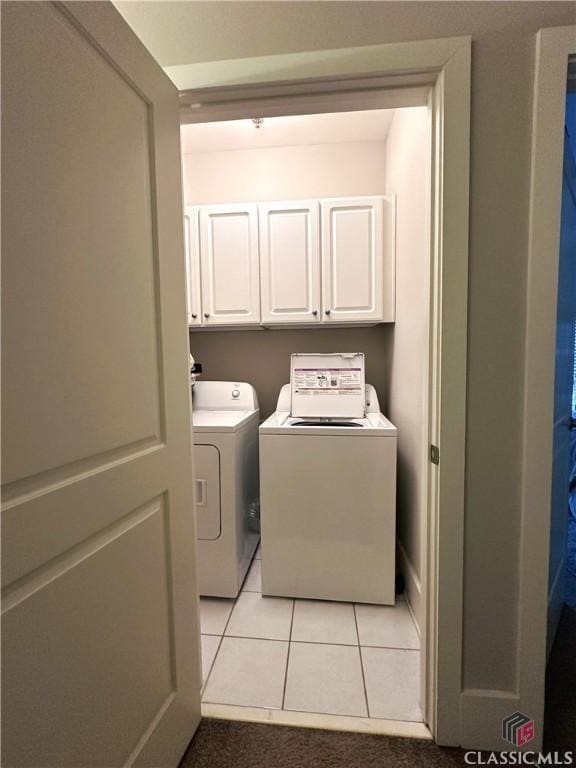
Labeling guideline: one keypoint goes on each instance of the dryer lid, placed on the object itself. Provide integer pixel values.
(221, 421)
(327, 385)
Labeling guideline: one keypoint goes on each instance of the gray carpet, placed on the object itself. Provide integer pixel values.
(225, 744)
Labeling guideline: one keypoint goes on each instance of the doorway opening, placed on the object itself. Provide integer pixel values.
(343, 663)
(561, 670)
(567, 222)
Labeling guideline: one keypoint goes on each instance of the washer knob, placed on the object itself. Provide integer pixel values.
(235, 394)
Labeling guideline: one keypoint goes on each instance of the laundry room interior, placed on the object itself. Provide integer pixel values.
(309, 303)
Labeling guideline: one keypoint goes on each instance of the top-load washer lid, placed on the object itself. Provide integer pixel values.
(372, 425)
(324, 386)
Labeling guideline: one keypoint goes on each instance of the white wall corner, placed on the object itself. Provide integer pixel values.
(481, 715)
(413, 587)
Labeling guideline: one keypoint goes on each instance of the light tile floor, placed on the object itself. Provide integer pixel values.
(310, 656)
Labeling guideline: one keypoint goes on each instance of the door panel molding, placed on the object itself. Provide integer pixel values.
(19, 491)
(139, 411)
(41, 528)
(101, 630)
(36, 579)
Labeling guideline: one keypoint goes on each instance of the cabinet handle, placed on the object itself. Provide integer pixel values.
(194, 317)
(327, 312)
(314, 312)
(206, 315)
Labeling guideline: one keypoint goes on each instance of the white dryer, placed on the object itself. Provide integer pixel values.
(225, 425)
(328, 486)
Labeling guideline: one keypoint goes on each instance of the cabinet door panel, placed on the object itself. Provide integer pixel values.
(290, 262)
(192, 243)
(358, 259)
(229, 260)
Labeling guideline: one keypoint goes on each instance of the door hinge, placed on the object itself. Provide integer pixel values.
(434, 454)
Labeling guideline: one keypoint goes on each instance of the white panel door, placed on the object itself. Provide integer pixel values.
(358, 259)
(229, 260)
(290, 261)
(100, 630)
(192, 248)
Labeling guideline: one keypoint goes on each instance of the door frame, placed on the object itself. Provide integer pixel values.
(554, 45)
(399, 74)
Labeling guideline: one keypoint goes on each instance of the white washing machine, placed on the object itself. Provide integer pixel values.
(225, 424)
(328, 486)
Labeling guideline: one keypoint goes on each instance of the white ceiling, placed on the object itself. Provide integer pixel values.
(334, 128)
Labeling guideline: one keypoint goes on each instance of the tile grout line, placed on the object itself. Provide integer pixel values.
(217, 649)
(203, 688)
(288, 655)
(391, 648)
(361, 662)
(315, 642)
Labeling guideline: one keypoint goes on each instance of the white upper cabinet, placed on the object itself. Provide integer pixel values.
(290, 262)
(192, 245)
(358, 259)
(229, 261)
(298, 262)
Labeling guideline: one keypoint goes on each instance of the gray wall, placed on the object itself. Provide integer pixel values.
(502, 78)
(262, 357)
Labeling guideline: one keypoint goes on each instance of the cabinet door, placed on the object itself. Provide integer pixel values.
(229, 260)
(290, 261)
(192, 243)
(358, 259)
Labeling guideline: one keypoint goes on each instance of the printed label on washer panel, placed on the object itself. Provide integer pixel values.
(328, 381)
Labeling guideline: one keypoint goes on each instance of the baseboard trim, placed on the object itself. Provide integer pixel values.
(481, 714)
(400, 728)
(413, 585)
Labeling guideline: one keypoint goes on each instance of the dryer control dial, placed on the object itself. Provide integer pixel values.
(235, 394)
